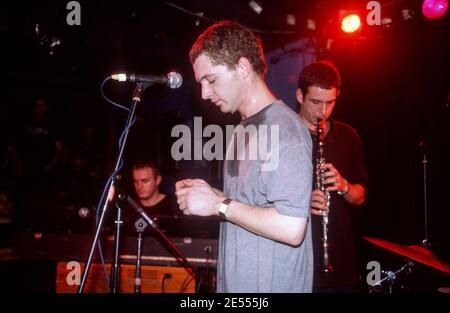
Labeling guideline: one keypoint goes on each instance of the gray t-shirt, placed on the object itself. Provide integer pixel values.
(250, 262)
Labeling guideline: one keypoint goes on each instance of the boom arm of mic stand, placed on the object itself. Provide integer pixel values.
(179, 255)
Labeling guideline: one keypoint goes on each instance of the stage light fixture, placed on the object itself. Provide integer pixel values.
(434, 9)
(256, 6)
(351, 23)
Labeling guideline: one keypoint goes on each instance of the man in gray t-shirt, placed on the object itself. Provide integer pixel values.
(265, 240)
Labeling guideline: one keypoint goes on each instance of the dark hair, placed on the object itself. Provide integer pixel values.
(226, 42)
(322, 74)
(142, 163)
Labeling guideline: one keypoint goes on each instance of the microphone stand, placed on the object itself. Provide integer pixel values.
(114, 283)
(423, 147)
(140, 87)
(140, 226)
(169, 243)
(425, 242)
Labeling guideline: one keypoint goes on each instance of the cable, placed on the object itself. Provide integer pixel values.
(107, 99)
(98, 209)
(97, 213)
(199, 283)
(166, 276)
(256, 30)
(111, 177)
(186, 282)
(199, 15)
(108, 182)
(126, 130)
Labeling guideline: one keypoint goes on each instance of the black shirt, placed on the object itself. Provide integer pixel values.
(344, 150)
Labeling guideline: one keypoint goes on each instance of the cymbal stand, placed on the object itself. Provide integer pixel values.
(423, 147)
(392, 276)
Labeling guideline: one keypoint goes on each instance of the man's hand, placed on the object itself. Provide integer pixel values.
(111, 193)
(352, 193)
(197, 197)
(318, 203)
(333, 179)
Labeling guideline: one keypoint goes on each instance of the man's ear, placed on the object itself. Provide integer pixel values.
(158, 180)
(299, 95)
(244, 67)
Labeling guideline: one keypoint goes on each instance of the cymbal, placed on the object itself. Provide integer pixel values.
(413, 252)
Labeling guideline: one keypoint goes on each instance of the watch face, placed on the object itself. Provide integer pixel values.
(223, 209)
(224, 206)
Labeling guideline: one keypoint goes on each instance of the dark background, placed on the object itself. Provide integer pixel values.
(395, 89)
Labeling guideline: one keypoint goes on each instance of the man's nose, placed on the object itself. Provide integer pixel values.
(205, 92)
(324, 109)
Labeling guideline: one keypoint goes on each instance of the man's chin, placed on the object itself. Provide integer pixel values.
(224, 109)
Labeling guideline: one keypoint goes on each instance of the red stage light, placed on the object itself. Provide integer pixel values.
(434, 9)
(351, 23)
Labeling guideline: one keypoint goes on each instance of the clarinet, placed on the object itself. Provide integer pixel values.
(325, 265)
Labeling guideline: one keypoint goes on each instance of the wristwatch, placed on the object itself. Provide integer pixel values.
(224, 207)
(345, 191)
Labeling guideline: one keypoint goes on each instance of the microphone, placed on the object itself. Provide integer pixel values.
(173, 79)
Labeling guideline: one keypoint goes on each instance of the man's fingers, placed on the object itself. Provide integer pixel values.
(329, 173)
(183, 206)
(318, 198)
(182, 184)
(111, 193)
(319, 205)
(181, 192)
(186, 183)
(199, 181)
(330, 180)
(181, 199)
(317, 212)
(333, 188)
(317, 192)
(328, 166)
